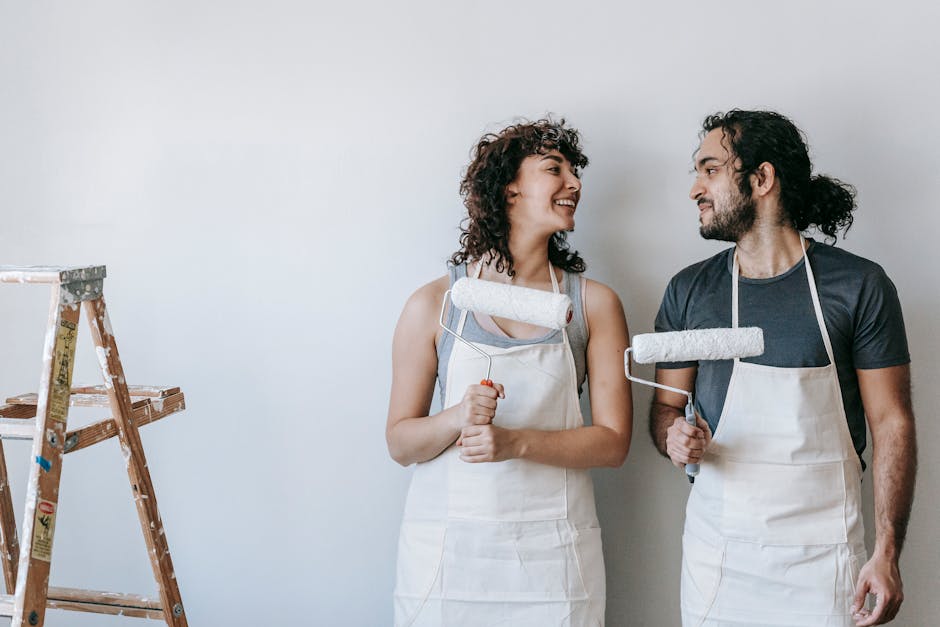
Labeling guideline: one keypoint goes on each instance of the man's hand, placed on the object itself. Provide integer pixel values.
(686, 444)
(880, 577)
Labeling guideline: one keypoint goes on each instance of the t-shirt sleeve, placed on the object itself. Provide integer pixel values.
(671, 317)
(880, 339)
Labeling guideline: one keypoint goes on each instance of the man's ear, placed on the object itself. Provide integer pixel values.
(763, 179)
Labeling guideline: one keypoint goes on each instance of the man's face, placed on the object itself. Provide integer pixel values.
(724, 212)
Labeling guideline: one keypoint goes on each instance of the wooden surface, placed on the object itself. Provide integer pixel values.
(107, 428)
(114, 603)
(9, 542)
(51, 274)
(43, 485)
(144, 496)
(79, 400)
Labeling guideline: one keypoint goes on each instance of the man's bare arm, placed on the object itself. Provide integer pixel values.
(886, 396)
(673, 436)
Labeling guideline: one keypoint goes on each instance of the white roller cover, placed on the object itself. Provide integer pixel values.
(698, 344)
(538, 307)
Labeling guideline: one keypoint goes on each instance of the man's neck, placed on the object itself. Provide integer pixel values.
(768, 250)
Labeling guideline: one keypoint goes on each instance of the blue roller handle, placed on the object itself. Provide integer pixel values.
(691, 470)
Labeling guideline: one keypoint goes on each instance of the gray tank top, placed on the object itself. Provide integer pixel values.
(472, 331)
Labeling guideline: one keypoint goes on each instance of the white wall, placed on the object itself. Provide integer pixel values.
(268, 181)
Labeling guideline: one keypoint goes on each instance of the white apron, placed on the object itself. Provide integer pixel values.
(512, 543)
(773, 531)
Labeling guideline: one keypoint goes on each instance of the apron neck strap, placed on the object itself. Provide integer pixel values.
(810, 277)
(820, 320)
(551, 273)
(735, 272)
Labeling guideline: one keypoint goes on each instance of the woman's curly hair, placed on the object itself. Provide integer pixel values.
(808, 200)
(495, 164)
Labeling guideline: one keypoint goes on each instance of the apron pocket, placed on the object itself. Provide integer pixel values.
(701, 575)
(420, 557)
(797, 586)
(785, 505)
(537, 562)
(512, 490)
(845, 593)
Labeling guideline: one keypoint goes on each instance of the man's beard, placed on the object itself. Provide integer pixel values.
(730, 224)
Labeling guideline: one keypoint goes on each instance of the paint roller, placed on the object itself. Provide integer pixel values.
(692, 345)
(523, 304)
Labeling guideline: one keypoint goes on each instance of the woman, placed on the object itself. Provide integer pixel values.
(500, 525)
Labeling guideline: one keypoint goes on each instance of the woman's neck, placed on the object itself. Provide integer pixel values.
(529, 270)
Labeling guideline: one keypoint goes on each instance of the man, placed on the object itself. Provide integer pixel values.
(773, 531)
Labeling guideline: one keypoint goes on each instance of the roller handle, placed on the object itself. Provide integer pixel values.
(691, 470)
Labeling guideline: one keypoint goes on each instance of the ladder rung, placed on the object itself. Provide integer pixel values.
(78, 400)
(94, 601)
(50, 274)
(152, 391)
(17, 411)
(106, 429)
(98, 431)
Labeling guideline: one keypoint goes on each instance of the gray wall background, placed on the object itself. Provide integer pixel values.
(267, 182)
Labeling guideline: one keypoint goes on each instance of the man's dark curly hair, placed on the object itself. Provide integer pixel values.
(756, 137)
(495, 164)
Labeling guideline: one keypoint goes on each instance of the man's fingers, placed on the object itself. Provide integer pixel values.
(690, 430)
(703, 426)
(682, 456)
(875, 617)
(861, 591)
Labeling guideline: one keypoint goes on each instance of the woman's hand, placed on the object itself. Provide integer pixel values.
(488, 443)
(478, 406)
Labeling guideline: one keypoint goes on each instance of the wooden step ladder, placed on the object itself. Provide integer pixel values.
(42, 418)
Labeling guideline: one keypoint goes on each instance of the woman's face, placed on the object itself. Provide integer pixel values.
(544, 194)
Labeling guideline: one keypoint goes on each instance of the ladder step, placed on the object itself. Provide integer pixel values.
(50, 274)
(100, 431)
(106, 429)
(116, 603)
(78, 400)
(87, 396)
(17, 411)
(97, 396)
(152, 391)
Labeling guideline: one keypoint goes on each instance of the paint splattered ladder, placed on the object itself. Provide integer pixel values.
(42, 418)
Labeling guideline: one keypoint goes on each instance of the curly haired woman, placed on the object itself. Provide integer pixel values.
(500, 525)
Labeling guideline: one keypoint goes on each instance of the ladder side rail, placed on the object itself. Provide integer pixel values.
(29, 603)
(138, 473)
(9, 541)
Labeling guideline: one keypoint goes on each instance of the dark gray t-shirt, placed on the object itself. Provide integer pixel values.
(860, 307)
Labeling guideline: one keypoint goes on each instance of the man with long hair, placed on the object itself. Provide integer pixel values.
(773, 532)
